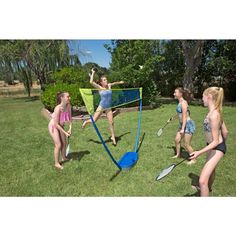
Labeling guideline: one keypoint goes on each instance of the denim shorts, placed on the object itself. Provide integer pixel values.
(189, 127)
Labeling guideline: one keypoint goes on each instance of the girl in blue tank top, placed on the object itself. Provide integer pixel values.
(186, 124)
(105, 102)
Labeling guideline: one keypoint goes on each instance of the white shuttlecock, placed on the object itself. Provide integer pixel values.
(140, 67)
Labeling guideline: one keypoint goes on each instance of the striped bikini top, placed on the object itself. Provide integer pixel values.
(206, 125)
(179, 109)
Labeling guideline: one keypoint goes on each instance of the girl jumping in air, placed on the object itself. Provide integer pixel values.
(105, 102)
(216, 133)
(187, 126)
(61, 114)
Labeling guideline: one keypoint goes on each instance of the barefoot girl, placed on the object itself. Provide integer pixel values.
(61, 114)
(216, 134)
(187, 126)
(105, 102)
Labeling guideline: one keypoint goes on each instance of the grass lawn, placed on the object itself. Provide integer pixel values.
(26, 155)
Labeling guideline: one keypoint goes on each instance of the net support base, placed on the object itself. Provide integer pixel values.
(128, 160)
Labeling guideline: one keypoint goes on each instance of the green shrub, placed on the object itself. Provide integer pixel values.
(71, 75)
(48, 97)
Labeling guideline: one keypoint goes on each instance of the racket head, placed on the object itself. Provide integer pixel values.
(67, 149)
(68, 146)
(159, 132)
(165, 172)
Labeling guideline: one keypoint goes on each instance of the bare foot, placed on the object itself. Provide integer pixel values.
(176, 156)
(113, 141)
(84, 124)
(58, 166)
(64, 159)
(197, 188)
(191, 162)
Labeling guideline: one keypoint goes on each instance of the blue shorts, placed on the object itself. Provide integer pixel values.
(189, 127)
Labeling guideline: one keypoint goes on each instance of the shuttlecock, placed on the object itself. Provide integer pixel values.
(140, 67)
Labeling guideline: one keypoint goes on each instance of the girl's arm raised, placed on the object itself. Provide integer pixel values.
(94, 84)
(116, 83)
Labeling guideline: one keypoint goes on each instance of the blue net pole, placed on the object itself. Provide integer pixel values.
(139, 123)
(103, 143)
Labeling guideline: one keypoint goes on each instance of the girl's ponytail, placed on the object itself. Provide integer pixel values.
(219, 100)
(218, 97)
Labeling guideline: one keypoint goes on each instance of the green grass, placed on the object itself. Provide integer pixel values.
(27, 155)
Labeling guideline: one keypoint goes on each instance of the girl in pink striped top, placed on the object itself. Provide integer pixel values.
(61, 115)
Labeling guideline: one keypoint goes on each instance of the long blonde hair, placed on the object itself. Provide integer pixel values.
(218, 97)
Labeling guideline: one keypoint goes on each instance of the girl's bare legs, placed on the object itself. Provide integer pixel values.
(57, 146)
(96, 116)
(63, 145)
(188, 147)
(177, 144)
(207, 175)
(111, 125)
(211, 180)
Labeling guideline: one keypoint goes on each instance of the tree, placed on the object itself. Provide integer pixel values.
(137, 62)
(218, 67)
(39, 58)
(192, 50)
(172, 68)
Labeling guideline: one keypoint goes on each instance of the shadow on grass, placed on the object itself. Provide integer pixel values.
(118, 138)
(76, 156)
(194, 182)
(197, 194)
(194, 179)
(183, 152)
(115, 175)
(141, 141)
(27, 99)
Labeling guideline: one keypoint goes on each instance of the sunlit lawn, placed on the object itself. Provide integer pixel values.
(27, 155)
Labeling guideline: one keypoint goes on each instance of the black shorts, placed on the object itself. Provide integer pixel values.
(220, 147)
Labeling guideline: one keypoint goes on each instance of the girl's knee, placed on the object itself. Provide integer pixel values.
(203, 182)
(58, 146)
(177, 141)
(187, 146)
(111, 122)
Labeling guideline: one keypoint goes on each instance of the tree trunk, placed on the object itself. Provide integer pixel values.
(192, 54)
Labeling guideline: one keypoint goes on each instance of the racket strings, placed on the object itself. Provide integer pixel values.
(159, 132)
(165, 172)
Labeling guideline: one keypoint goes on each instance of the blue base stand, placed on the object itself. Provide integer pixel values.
(128, 160)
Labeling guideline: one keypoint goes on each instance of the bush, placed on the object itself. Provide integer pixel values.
(48, 97)
(71, 75)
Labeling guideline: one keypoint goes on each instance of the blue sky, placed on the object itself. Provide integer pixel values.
(92, 51)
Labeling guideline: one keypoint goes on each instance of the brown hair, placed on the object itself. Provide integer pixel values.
(59, 96)
(100, 79)
(187, 95)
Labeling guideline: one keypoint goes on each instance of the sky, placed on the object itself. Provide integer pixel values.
(92, 51)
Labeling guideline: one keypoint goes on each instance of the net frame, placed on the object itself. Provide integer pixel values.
(90, 108)
(88, 98)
